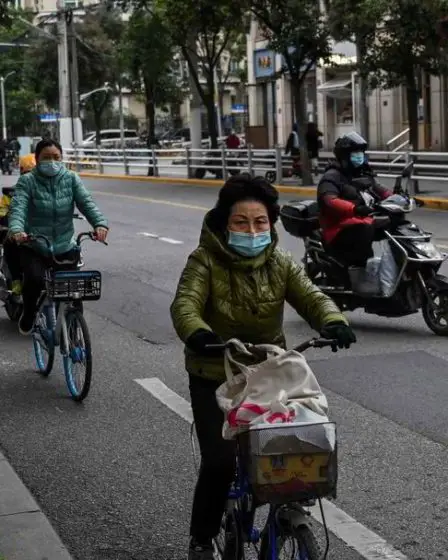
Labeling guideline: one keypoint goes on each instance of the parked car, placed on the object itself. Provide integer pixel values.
(108, 137)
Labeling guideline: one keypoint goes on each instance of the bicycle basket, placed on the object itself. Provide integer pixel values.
(290, 462)
(74, 285)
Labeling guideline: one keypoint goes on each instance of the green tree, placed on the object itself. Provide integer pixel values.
(299, 31)
(357, 21)
(203, 29)
(98, 37)
(21, 100)
(148, 55)
(233, 64)
(407, 45)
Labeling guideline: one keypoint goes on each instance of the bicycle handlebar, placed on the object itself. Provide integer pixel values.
(83, 235)
(312, 343)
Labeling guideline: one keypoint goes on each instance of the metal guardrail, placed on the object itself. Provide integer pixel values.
(195, 163)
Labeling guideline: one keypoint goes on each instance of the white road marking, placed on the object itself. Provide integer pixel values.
(367, 543)
(169, 240)
(164, 239)
(169, 398)
(146, 234)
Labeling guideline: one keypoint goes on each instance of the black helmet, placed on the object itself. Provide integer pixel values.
(345, 145)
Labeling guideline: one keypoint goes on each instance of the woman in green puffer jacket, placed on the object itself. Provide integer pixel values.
(43, 203)
(235, 285)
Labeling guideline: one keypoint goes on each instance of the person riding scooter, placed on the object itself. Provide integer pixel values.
(26, 164)
(345, 195)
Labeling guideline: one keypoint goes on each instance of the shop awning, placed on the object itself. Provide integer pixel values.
(340, 88)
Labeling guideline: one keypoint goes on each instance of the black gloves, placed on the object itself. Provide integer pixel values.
(362, 211)
(199, 340)
(340, 332)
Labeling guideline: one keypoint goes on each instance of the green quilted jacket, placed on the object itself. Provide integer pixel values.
(239, 297)
(45, 205)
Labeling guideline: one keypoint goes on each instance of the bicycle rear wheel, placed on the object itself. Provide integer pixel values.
(43, 341)
(78, 355)
(296, 543)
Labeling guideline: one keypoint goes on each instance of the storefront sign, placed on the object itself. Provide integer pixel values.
(264, 63)
(238, 109)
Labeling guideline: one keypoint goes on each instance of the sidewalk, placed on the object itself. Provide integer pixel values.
(25, 532)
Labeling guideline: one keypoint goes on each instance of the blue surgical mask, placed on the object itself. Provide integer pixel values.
(249, 244)
(357, 159)
(50, 168)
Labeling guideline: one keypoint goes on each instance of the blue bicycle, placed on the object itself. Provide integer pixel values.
(60, 320)
(287, 534)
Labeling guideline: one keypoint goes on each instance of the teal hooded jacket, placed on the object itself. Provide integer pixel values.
(45, 205)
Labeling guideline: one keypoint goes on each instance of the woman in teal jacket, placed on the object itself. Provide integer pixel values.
(43, 203)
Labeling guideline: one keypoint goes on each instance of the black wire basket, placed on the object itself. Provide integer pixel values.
(73, 285)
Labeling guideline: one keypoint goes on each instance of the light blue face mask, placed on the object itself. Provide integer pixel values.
(50, 168)
(249, 244)
(357, 158)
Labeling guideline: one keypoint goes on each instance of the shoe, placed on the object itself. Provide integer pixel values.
(26, 323)
(200, 551)
(16, 288)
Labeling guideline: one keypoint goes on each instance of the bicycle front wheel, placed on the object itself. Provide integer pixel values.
(229, 542)
(77, 356)
(43, 341)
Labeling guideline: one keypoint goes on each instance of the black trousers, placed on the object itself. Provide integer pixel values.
(12, 258)
(34, 265)
(217, 461)
(353, 244)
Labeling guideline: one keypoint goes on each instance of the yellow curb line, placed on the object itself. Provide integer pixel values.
(433, 203)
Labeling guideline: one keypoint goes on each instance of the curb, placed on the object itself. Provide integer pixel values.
(25, 532)
(428, 202)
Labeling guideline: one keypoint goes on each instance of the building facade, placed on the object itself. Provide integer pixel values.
(332, 97)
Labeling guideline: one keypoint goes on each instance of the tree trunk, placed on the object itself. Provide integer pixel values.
(412, 98)
(299, 105)
(211, 111)
(97, 117)
(363, 111)
(221, 99)
(150, 123)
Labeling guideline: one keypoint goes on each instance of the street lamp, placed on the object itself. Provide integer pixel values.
(2, 87)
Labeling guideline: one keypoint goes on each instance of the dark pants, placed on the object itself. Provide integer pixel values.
(34, 266)
(12, 258)
(353, 244)
(217, 461)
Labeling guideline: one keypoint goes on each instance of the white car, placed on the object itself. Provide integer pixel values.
(109, 137)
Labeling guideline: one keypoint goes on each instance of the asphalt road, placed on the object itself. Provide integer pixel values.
(115, 475)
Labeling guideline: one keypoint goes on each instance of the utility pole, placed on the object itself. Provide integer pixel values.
(65, 128)
(73, 77)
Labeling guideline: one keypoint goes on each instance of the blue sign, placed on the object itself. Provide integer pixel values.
(238, 109)
(264, 63)
(49, 117)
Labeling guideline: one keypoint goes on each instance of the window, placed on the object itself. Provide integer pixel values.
(343, 110)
